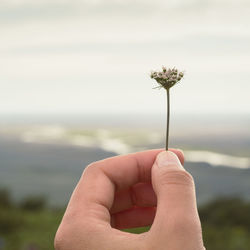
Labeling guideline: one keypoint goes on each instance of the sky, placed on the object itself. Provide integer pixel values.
(95, 56)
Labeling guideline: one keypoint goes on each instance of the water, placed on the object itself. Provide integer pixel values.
(47, 157)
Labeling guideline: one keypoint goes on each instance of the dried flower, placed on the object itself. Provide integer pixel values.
(167, 78)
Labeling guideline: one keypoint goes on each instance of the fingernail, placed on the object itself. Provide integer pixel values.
(167, 159)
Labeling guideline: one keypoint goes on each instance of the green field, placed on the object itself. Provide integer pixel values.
(225, 222)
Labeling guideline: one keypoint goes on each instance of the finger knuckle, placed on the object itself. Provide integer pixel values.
(177, 177)
(67, 236)
(91, 168)
(187, 222)
(59, 241)
(185, 225)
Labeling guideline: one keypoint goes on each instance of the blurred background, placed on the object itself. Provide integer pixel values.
(75, 88)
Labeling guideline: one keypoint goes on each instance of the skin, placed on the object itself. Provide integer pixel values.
(134, 190)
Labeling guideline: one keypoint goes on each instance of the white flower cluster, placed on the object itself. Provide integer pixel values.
(167, 78)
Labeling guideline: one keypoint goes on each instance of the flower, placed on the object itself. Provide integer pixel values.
(167, 78)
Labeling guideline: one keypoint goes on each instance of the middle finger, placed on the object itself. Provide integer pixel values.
(140, 194)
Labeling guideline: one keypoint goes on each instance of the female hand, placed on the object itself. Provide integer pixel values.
(134, 190)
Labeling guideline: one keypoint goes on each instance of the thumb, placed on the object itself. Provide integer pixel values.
(176, 201)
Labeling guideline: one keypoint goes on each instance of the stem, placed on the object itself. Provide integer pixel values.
(168, 113)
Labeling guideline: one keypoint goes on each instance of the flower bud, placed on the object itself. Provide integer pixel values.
(181, 74)
(167, 77)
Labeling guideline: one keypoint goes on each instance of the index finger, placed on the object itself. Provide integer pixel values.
(126, 170)
(101, 179)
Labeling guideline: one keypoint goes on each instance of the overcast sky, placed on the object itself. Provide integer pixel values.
(95, 56)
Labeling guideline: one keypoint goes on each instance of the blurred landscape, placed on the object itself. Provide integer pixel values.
(47, 157)
(43, 157)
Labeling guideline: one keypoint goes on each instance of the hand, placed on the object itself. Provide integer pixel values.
(134, 190)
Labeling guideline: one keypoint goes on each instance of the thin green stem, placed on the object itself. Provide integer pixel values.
(168, 113)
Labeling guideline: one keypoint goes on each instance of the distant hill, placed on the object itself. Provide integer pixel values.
(212, 182)
(53, 171)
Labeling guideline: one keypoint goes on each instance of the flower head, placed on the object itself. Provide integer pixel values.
(167, 78)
